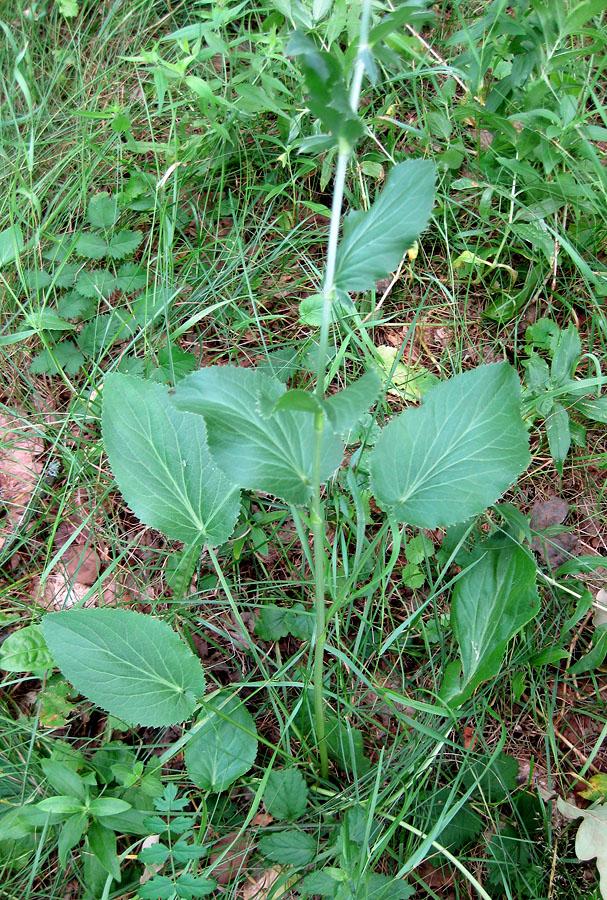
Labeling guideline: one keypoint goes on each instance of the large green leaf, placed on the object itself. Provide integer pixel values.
(36, 279)
(256, 448)
(452, 457)
(47, 320)
(491, 602)
(71, 834)
(161, 462)
(224, 747)
(130, 664)
(286, 794)
(11, 244)
(345, 745)
(494, 783)
(289, 847)
(374, 242)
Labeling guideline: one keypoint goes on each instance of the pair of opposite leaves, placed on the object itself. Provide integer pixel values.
(181, 458)
(448, 459)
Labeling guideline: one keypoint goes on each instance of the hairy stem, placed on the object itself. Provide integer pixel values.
(317, 513)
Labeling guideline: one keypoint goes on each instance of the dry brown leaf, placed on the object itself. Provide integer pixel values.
(549, 512)
(80, 564)
(20, 468)
(76, 571)
(61, 592)
(150, 869)
(80, 557)
(262, 819)
(558, 548)
(259, 889)
(80, 561)
(469, 737)
(234, 861)
(85, 566)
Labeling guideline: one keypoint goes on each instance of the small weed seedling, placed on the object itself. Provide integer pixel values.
(553, 394)
(90, 802)
(83, 290)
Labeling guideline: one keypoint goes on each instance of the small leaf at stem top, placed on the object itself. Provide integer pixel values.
(328, 99)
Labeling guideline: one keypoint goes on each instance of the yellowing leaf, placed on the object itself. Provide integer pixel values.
(267, 885)
(409, 382)
(597, 788)
(591, 839)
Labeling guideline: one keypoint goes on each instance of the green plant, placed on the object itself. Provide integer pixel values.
(178, 848)
(552, 392)
(224, 429)
(206, 127)
(462, 448)
(83, 292)
(344, 875)
(90, 802)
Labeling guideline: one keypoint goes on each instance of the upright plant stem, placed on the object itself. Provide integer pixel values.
(317, 513)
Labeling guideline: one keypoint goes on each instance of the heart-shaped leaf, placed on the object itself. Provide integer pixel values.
(456, 454)
(257, 448)
(161, 462)
(225, 744)
(130, 664)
